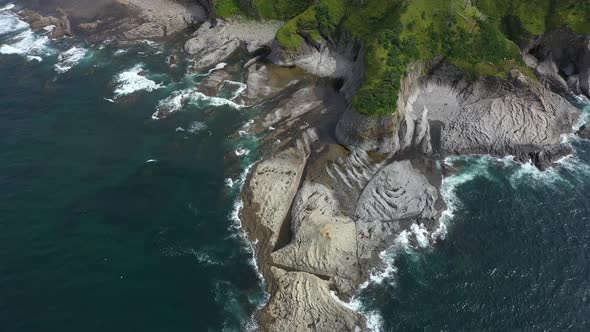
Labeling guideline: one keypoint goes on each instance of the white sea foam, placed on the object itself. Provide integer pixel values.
(242, 152)
(374, 319)
(49, 28)
(219, 66)
(196, 126)
(32, 58)
(239, 231)
(229, 182)
(241, 88)
(70, 58)
(9, 22)
(179, 99)
(7, 7)
(27, 43)
(120, 52)
(421, 234)
(132, 81)
(201, 256)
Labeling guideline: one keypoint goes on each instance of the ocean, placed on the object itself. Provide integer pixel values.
(115, 218)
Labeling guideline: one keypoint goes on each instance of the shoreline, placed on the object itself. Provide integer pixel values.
(311, 161)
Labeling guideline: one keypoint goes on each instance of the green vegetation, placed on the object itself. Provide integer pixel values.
(265, 9)
(227, 8)
(478, 36)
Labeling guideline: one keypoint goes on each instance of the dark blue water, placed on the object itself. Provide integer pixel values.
(516, 256)
(113, 221)
(93, 237)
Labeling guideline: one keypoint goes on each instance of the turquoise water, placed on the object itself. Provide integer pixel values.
(111, 220)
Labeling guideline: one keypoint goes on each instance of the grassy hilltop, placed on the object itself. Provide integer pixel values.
(478, 36)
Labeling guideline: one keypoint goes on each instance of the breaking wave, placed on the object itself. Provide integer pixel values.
(69, 59)
(134, 80)
(179, 99)
(21, 39)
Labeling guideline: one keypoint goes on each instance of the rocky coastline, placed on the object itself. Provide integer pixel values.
(337, 187)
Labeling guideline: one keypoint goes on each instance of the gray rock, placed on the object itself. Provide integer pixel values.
(324, 241)
(215, 42)
(212, 83)
(397, 196)
(268, 195)
(300, 103)
(573, 82)
(60, 22)
(303, 302)
(155, 19)
(584, 132)
(261, 86)
(489, 116)
(561, 54)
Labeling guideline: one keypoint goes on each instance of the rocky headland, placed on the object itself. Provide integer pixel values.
(348, 167)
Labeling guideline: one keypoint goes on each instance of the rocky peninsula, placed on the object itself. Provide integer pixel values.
(364, 118)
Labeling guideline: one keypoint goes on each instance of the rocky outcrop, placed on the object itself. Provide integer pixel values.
(215, 42)
(584, 132)
(561, 59)
(263, 82)
(303, 302)
(386, 187)
(380, 133)
(329, 58)
(268, 196)
(153, 19)
(323, 241)
(211, 84)
(300, 103)
(395, 198)
(444, 113)
(58, 26)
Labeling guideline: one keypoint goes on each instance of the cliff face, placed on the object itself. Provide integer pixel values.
(319, 212)
(341, 209)
(443, 113)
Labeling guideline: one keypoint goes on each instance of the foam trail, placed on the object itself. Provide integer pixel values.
(179, 99)
(132, 81)
(250, 246)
